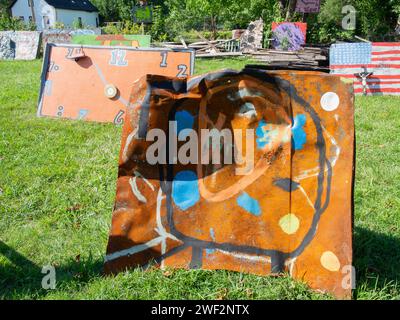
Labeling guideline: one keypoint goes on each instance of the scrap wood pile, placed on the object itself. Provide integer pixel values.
(209, 48)
(307, 56)
(250, 42)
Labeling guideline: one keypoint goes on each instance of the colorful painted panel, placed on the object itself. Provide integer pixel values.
(308, 6)
(142, 41)
(65, 36)
(142, 13)
(93, 83)
(19, 45)
(247, 171)
(289, 36)
(374, 67)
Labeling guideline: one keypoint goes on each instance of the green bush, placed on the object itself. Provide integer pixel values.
(172, 19)
(125, 27)
(375, 20)
(14, 24)
(158, 27)
(195, 36)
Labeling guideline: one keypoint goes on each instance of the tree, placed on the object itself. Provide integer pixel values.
(4, 4)
(209, 10)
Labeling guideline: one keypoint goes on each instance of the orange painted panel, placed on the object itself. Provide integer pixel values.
(286, 208)
(93, 83)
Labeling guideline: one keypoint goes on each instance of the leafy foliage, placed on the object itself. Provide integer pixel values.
(376, 19)
(14, 24)
(126, 27)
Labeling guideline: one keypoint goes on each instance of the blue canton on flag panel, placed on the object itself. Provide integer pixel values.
(351, 53)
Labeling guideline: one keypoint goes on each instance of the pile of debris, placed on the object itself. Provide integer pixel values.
(249, 42)
(307, 56)
(209, 48)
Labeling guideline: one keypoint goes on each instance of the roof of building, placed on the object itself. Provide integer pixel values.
(79, 5)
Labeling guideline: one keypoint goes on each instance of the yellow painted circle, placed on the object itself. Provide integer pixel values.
(290, 224)
(330, 261)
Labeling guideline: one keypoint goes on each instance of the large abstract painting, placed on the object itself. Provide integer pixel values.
(248, 171)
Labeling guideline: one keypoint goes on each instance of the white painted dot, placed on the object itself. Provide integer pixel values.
(330, 101)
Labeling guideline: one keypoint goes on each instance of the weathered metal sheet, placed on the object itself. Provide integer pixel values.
(93, 83)
(286, 208)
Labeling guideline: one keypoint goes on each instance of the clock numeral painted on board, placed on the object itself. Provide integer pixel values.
(69, 52)
(182, 71)
(73, 52)
(82, 114)
(48, 87)
(164, 56)
(119, 118)
(53, 67)
(118, 58)
(60, 111)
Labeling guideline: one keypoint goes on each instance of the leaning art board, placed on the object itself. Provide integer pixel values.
(377, 62)
(93, 83)
(285, 208)
(289, 35)
(138, 41)
(19, 45)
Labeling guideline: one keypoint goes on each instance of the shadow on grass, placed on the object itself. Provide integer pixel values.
(376, 258)
(23, 278)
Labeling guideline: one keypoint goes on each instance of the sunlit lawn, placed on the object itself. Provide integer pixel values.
(57, 187)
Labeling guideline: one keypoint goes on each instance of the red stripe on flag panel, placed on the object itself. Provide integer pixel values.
(385, 44)
(374, 76)
(386, 59)
(378, 82)
(378, 53)
(371, 66)
(386, 90)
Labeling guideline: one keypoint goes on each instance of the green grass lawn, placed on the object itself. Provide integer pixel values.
(57, 188)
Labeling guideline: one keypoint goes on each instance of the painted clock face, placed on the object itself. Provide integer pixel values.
(94, 83)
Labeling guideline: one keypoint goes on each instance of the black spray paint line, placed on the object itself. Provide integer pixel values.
(276, 255)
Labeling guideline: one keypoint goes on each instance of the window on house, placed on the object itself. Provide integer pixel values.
(30, 19)
(80, 22)
(46, 22)
(21, 18)
(97, 22)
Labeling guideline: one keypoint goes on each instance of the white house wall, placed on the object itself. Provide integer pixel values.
(41, 8)
(67, 17)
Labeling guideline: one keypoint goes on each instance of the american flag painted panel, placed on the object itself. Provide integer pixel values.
(381, 58)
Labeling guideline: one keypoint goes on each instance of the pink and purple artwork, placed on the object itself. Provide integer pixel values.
(289, 36)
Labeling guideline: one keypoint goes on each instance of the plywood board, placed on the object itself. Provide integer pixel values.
(93, 83)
